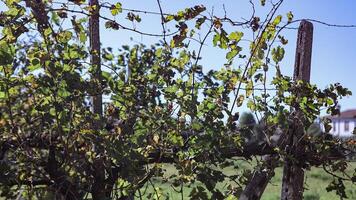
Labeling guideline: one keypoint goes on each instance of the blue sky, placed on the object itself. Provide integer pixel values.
(334, 49)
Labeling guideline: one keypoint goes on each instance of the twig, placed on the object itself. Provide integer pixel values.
(334, 175)
(111, 20)
(197, 60)
(274, 9)
(162, 22)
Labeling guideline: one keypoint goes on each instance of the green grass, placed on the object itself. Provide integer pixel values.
(316, 180)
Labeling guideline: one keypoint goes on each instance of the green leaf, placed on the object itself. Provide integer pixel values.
(82, 37)
(65, 36)
(230, 55)
(169, 18)
(249, 88)
(231, 197)
(199, 22)
(158, 52)
(329, 101)
(62, 92)
(35, 61)
(2, 95)
(236, 36)
(277, 20)
(116, 9)
(35, 64)
(176, 139)
(211, 105)
(171, 89)
(198, 192)
(52, 111)
(197, 126)
(277, 54)
(108, 56)
(7, 52)
(216, 38)
(106, 75)
(223, 40)
(251, 105)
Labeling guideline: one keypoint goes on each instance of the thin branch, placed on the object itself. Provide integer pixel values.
(162, 22)
(111, 20)
(333, 174)
(274, 9)
(196, 63)
(154, 188)
(237, 23)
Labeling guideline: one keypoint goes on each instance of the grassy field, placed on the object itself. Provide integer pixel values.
(316, 182)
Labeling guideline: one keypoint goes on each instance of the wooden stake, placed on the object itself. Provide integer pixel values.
(98, 187)
(293, 174)
(94, 36)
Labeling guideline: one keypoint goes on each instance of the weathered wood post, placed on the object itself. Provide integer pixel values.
(98, 187)
(94, 36)
(293, 174)
(291, 187)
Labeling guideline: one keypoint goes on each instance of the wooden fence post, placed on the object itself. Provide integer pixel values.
(293, 174)
(258, 182)
(94, 36)
(98, 187)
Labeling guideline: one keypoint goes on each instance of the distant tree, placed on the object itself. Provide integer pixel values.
(253, 132)
(315, 129)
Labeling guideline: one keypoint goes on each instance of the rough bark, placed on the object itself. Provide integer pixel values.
(256, 186)
(98, 187)
(260, 178)
(67, 189)
(94, 35)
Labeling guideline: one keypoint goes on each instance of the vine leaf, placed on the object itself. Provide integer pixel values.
(116, 9)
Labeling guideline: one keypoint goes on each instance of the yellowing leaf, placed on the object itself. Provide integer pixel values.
(277, 20)
(249, 88)
(116, 9)
(236, 36)
(277, 54)
(156, 138)
(240, 100)
(290, 16)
